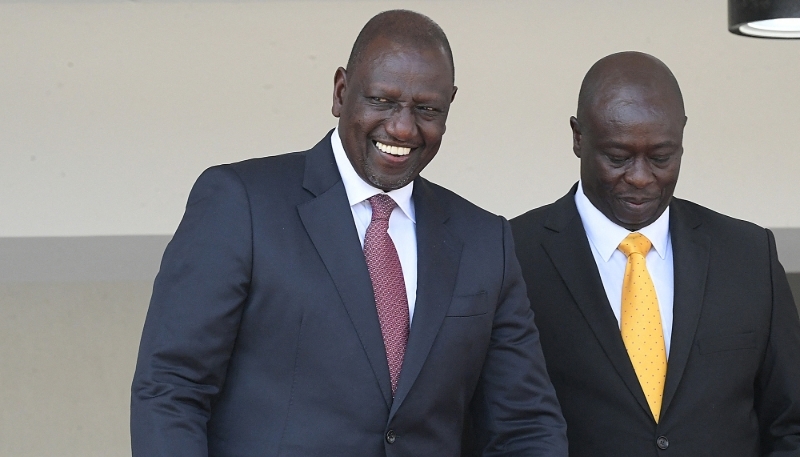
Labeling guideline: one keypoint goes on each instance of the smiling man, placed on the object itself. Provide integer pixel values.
(668, 329)
(332, 302)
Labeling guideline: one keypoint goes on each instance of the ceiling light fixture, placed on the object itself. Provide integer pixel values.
(764, 18)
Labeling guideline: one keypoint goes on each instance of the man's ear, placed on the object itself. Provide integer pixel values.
(576, 136)
(339, 88)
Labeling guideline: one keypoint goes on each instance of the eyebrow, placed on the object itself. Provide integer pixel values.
(617, 145)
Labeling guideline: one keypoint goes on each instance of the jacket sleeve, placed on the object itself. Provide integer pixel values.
(515, 411)
(777, 398)
(193, 319)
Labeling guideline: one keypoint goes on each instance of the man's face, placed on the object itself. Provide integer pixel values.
(630, 145)
(392, 109)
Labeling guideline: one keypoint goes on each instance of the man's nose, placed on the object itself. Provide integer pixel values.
(640, 174)
(402, 125)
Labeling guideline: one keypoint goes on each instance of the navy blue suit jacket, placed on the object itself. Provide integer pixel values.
(262, 337)
(733, 374)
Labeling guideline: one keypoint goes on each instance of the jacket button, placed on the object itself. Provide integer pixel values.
(662, 442)
(390, 437)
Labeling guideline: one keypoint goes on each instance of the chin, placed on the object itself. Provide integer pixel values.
(631, 221)
(637, 223)
(388, 184)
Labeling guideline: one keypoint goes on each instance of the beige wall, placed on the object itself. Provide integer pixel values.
(110, 109)
(67, 354)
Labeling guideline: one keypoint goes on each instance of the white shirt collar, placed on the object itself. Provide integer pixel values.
(359, 190)
(606, 235)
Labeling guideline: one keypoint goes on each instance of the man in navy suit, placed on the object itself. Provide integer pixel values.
(728, 329)
(263, 337)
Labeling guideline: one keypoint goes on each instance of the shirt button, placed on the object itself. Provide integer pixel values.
(390, 437)
(662, 442)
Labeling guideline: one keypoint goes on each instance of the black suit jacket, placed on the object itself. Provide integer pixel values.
(262, 337)
(733, 374)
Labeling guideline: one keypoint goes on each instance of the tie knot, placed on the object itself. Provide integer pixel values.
(382, 206)
(635, 243)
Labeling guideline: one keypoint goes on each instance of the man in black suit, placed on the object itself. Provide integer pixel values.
(702, 356)
(271, 332)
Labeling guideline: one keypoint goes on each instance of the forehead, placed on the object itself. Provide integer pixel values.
(627, 106)
(405, 73)
(387, 58)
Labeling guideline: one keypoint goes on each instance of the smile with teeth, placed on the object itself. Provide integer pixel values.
(392, 150)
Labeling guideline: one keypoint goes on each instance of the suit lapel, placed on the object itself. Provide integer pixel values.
(438, 257)
(329, 223)
(690, 252)
(569, 250)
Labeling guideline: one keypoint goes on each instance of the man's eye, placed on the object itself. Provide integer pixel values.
(430, 111)
(617, 160)
(380, 100)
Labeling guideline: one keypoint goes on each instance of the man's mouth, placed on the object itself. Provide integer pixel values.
(392, 150)
(637, 202)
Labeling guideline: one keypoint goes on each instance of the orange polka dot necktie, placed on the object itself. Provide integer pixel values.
(388, 284)
(640, 322)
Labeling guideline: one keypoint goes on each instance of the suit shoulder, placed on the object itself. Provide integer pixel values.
(272, 167)
(265, 173)
(458, 205)
(533, 217)
(718, 224)
(273, 178)
(529, 227)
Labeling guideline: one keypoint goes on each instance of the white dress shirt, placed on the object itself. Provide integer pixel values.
(604, 239)
(402, 222)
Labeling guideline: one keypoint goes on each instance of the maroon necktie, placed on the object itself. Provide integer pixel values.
(387, 284)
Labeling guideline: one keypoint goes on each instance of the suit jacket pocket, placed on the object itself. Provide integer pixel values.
(469, 305)
(727, 343)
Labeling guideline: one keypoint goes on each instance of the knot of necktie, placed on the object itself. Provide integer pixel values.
(382, 207)
(635, 243)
